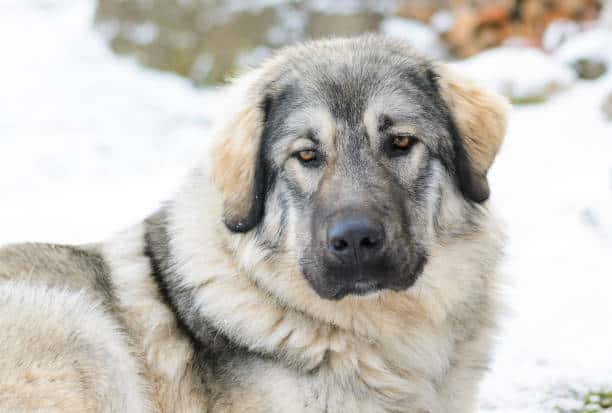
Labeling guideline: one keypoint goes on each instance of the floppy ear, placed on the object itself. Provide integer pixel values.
(479, 117)
(239, 170)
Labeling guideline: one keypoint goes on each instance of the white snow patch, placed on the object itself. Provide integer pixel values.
(556, 164)
(419, 35)
(81, 128)
(595, 44)
(142, 34)
(442, 20)
(558, 32)
(518, 73)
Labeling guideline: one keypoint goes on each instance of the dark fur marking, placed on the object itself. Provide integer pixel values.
(264, 176)
(158, 257)
(422, 181)
(422, 79)
(272, 242)
(204, 338)
(256, 211)
(94, 260)
(75, 267)
(460, 166)
(295, 192)
(438, 210)
(212, 348)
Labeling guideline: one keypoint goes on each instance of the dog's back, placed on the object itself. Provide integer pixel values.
(61, 349)
(62, 266)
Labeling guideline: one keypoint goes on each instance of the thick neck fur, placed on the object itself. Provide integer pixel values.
(233, 299)
(200, 299)
(225, 287)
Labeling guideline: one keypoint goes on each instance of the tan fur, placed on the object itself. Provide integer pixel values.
(390, 351)
(480, 114)
(166, 353)
(416, 351)
(60, 352)
(233, 159)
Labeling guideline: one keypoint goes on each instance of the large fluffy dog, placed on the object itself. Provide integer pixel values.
(335, 254)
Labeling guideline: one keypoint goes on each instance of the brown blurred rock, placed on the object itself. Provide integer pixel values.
(589, 68)
(479, 25)
(587, 52)
(209, 40)
(421, 10)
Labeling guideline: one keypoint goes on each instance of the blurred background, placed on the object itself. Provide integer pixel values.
(105, 104)
(205, 40)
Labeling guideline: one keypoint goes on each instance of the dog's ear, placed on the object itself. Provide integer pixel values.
(479, 121)
(239, 168)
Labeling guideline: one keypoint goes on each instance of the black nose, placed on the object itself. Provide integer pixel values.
(355, 239)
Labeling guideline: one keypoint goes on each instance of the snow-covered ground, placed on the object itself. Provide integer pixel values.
(83, 133)
(91, 142)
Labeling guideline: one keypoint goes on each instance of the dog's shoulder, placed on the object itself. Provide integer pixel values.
(54, 265)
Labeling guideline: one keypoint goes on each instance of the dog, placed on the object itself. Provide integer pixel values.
(334, 252)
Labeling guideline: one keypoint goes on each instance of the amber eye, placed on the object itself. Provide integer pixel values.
(401, 142)
(307, 155)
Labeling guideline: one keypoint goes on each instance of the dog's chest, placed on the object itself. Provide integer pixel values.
(362, 378)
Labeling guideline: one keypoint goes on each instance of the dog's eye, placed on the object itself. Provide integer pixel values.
(307, 156)
(400, 144)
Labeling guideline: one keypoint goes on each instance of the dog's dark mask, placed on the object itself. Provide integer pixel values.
(348, 154)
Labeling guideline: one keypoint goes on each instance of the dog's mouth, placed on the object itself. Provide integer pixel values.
(330, 286)
(359, 288)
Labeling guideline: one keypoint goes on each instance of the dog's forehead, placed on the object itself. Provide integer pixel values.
(348, 88)
(350, 82)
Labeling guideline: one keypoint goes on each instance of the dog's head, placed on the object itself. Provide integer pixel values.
(349, 156)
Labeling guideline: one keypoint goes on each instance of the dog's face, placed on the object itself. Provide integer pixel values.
(346, 161)
(349, 148)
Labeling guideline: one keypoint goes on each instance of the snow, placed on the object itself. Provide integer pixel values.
(419, 35)
(91, 142)
(142, 34)
(553, 185)
(592, 44)
(442, 20)
(80, 129)
(558, 32)
(521, 73)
